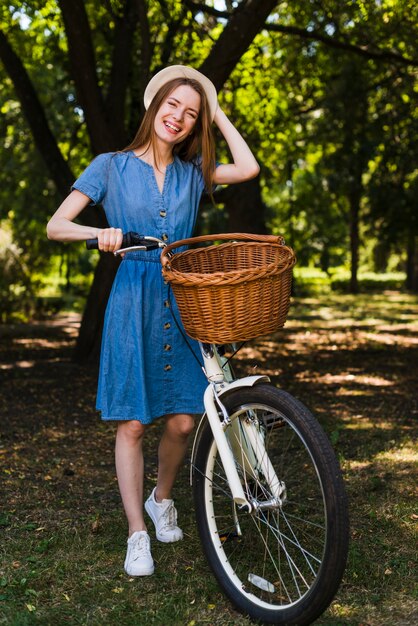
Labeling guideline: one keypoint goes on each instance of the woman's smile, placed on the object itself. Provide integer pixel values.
(178, 114)
(174, 127)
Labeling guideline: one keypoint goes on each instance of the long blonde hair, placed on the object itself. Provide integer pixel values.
(200, 141)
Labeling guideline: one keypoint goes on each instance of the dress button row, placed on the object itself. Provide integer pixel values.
(167, 368)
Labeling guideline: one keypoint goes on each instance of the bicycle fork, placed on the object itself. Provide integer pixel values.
(251, 445)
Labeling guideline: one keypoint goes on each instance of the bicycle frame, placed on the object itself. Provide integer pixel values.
(221, 383)
(278, 557)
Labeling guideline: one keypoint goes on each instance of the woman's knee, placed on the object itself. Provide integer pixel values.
(132, 429)
(180, 425)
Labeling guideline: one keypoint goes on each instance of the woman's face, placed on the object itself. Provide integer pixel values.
(177, 115)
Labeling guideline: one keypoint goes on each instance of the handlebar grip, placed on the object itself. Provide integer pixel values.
(128, 239)
(92, 244)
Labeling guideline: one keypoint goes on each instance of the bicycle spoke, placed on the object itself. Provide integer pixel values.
(275, 567)
(282, 536)
(269, 560)
(292, 565)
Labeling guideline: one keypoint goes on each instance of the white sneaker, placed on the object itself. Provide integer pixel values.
(164, 516)
(138, 560)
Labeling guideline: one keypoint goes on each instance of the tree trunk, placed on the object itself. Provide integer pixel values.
(245, 209)
(35, 116)
(90, 334)
(102, 130)
(45, 141)
(354, 200)
(247, 20)
(412, 263)
(244, 206)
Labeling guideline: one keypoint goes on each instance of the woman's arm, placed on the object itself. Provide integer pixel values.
(244, 166)
(61, 226)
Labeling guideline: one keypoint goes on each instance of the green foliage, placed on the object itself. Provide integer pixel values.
(325, 95)
(333, 126)
(16, 286)
(313, 281)
(369, 282)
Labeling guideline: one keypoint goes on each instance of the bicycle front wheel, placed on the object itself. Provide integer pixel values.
(281, 563)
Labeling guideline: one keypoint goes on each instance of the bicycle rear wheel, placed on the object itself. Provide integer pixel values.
(283, 562)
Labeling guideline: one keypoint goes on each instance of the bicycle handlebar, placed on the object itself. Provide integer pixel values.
(130, 240)
(134, 241)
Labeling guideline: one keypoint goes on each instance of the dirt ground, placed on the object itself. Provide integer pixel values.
(354, 363)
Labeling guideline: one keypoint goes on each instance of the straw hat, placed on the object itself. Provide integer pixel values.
(181, 71)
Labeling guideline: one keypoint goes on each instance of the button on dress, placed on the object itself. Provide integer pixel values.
(146, 367)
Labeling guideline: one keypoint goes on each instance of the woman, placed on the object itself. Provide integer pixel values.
(146, 369)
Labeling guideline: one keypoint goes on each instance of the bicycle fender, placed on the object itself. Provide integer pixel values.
(247, 381)
(224, 389)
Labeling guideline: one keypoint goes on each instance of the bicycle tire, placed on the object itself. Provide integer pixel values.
(281, 565)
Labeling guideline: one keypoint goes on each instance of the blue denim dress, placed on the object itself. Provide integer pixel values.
(146, 367)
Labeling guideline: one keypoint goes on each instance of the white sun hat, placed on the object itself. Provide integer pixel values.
(181, 71)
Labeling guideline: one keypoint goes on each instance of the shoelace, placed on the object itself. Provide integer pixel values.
(170, 518)
(140, 548)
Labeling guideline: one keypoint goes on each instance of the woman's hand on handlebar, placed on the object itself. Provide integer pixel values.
(109, 239)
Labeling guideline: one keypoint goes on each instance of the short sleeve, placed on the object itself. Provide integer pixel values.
(198, 165)
(93, 181)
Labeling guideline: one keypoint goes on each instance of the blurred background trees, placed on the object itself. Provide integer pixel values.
(324, 91)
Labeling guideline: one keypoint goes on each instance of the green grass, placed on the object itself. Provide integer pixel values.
(352, 360)
(312, 281)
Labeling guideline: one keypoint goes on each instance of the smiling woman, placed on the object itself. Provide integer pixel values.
(173, 125)
(154, 187)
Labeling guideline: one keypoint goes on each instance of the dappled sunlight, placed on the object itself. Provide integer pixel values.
(334, 338)
(41, 342)
(18, 364)
(408, 327)
(340, 610)
(251, 352)
(401, 613)
(57, 457)
(35, 342)
(53, 434)
(406, 454)
(27, 364)
(391, 339)
(356, 466)
(69, 323)
(364, 423)
(343, 378)
(388, 311)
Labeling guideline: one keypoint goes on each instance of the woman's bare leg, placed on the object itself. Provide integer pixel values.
(171, 451)
(129, 462)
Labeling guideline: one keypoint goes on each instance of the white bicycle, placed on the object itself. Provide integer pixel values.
(270, 503)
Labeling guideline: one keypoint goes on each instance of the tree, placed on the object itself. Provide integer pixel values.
(79, 69)
(103, 110)
(354, 55)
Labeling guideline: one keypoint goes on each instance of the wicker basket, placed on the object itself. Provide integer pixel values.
(232, 291)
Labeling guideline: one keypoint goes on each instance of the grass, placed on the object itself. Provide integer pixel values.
(313, 281)
(351, 360)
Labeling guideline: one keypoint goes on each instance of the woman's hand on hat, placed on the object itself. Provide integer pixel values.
(109, 239)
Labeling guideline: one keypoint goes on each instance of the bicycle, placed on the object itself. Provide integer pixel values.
(270, 503)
